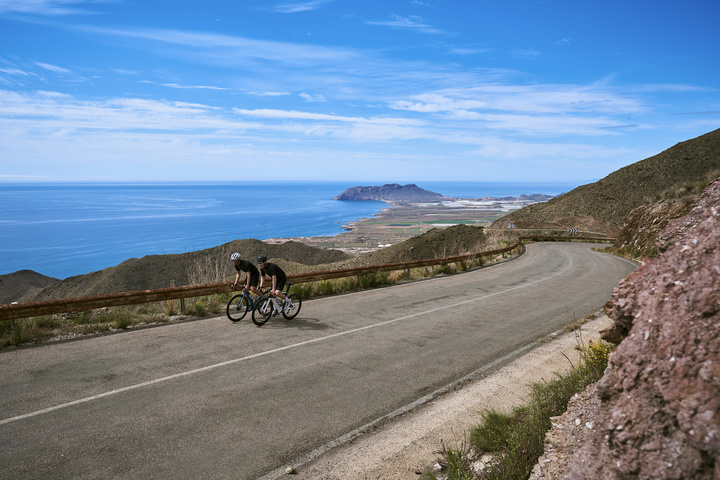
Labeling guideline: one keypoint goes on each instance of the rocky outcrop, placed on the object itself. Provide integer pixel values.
(644, 224)
(657, 412)
(390, 193)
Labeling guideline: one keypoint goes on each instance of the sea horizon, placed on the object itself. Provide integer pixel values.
(63, 229)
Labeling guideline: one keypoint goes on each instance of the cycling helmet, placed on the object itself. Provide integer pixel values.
(262, 259)
(234, 256)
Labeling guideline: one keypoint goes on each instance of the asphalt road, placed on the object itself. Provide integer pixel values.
(214, 399)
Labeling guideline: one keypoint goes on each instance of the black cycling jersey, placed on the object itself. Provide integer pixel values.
(272, 269)
(245, 266)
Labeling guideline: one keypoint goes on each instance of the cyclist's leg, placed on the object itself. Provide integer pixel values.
(279, 288)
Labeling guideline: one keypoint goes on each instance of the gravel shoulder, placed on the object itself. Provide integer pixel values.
(404, 447)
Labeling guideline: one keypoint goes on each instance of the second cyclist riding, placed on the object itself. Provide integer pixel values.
(269, 306)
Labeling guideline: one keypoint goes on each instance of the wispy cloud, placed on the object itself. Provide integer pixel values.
(467, 50)
(269, 94)
(15, 71)
(549, 99)
(312, 98)
(525, 53)
(185, 87)
(296, 7)
(52, 68)
(412, 22)
(47, 7)
(299, 115)
(228, 50)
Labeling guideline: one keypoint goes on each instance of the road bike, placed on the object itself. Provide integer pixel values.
(266, 307)
(240, 305)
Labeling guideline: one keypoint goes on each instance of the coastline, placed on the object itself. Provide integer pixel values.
(400, 221)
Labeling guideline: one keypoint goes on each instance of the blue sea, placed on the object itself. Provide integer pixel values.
(62, 229)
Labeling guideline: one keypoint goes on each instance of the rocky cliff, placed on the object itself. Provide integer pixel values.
(656, 412)
(390, 193)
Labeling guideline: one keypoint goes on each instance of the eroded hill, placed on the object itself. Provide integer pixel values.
(605, 205)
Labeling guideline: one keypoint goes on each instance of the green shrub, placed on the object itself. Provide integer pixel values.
(81, 318)
(169, 307)
(304, 289)
(123, 319)
(326, 288)
(47, 322)
(347, 284)
(199, 308)
(517, 439)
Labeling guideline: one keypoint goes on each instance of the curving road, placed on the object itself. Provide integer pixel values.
(213, 399)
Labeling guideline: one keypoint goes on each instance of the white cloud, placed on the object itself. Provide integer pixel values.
(413, 22)
(52, 68)
(297, 7)
(296, 115)
(467, 50)
(45, 7)
(527, 99)
(312, 98)
(269, 94)
(227, 50)
(15, 71)
(525, 53)
(206, 87)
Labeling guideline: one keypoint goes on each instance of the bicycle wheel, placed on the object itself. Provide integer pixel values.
(290, 313)
(262, 312)
(238, 307)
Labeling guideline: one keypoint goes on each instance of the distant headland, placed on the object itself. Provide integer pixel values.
(411, 193)
(391, 192)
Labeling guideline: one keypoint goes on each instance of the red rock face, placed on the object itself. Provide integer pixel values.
(659, 416)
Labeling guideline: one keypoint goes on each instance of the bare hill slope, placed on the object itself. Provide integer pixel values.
(160, 271)
(15, 285)
(604, 206)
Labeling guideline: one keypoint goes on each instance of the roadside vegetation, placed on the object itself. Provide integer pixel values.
(506, 446)
(113, 319)
(106, 320)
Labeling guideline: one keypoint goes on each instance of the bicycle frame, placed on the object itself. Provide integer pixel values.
(268, 306)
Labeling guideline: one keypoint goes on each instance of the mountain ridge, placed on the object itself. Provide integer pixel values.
(605, 205)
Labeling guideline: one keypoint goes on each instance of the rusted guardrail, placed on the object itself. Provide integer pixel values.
(77, 304)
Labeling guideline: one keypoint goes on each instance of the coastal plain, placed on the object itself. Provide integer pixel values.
(403, 220)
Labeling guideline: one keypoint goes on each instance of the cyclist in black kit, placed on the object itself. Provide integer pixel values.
(252, 273)
(276, 274)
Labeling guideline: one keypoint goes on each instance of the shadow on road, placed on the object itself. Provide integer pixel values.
(277, 323)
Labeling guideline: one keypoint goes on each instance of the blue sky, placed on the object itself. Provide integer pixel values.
(392, 90)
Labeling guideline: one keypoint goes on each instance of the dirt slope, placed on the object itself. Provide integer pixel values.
(604, 206)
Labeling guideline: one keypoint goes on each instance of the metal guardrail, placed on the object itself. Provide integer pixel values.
(77, 304)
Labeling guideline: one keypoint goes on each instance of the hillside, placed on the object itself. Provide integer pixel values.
(213, 264)
(15, 285)
(435, 243)
(604, 206)
(159, 271)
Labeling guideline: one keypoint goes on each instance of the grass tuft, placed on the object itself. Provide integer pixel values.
(516, 440)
